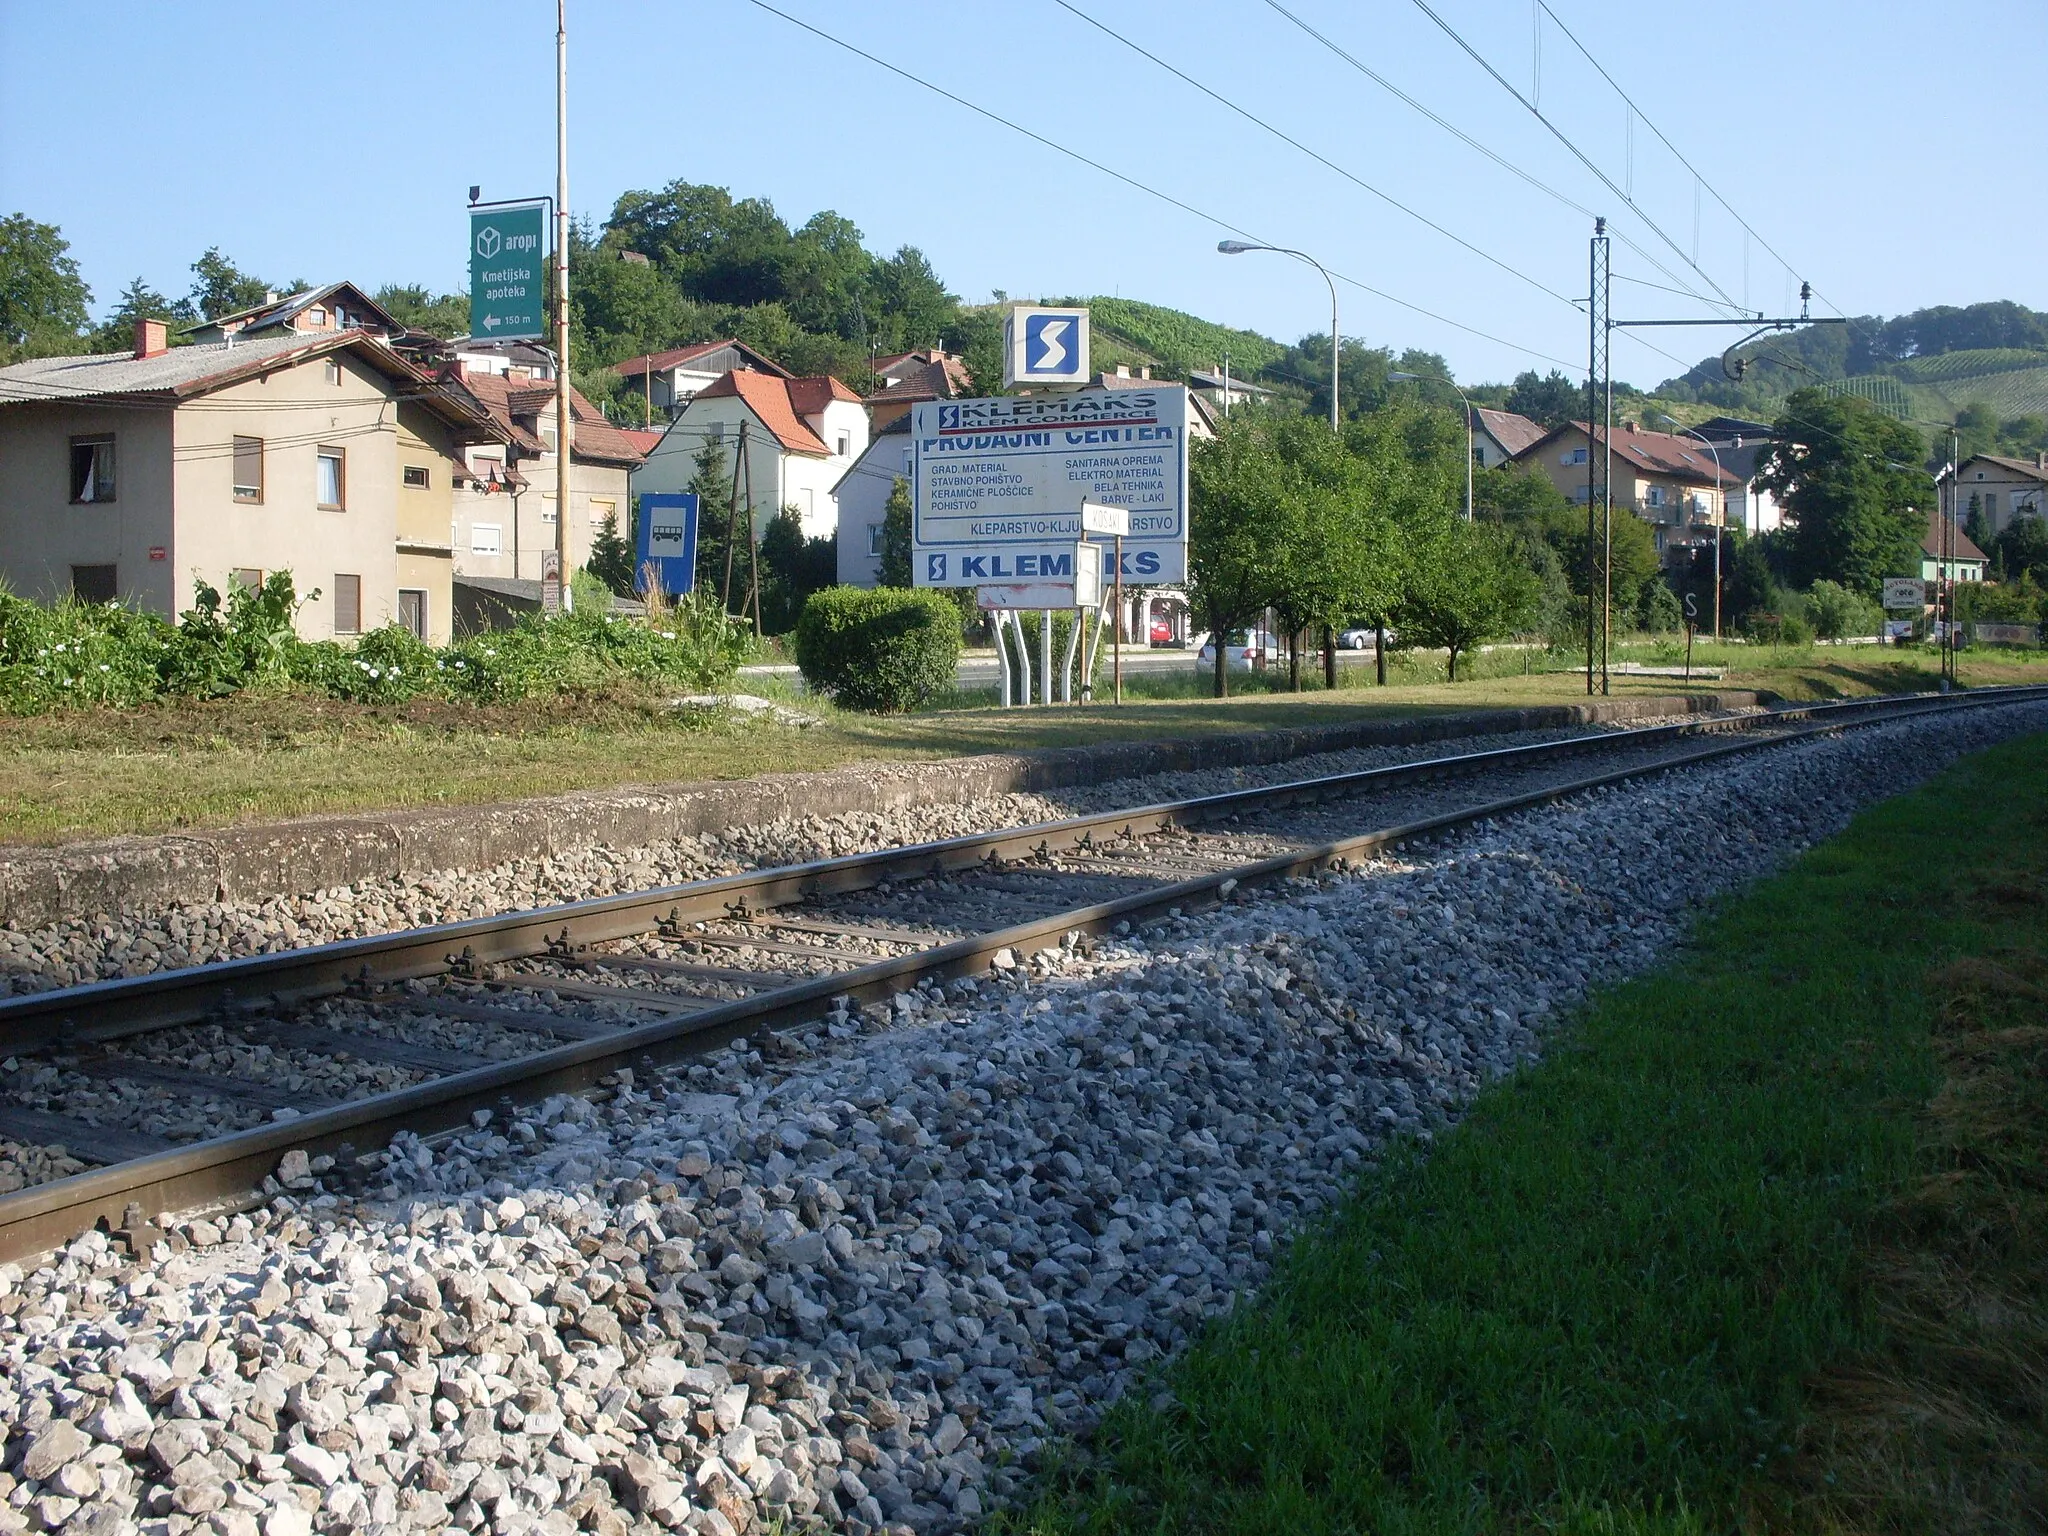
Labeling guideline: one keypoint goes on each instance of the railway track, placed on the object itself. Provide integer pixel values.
(189, 1087)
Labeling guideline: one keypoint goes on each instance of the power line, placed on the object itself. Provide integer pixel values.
(1468, 140)
(1136, 185)
(1285, 138)
(1665, 140)
(1583, 159)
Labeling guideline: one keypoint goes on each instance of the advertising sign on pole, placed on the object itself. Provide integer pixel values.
(998, 484)
(668, 542)
(1903, 592)
(507, 257)
(1042, 345)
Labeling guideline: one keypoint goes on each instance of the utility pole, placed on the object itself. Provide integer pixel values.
(563, 428)
(1599, 409)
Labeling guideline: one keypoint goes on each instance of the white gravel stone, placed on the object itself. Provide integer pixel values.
(861, 1280)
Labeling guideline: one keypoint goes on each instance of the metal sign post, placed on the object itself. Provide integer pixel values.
(1116, 522)
(550, 581)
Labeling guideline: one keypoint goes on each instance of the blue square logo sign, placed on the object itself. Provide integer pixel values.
(1045, 345)
(1052, 343)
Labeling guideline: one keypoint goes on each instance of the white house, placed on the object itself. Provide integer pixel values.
(863, 494)
(668, 380)
(801, 437)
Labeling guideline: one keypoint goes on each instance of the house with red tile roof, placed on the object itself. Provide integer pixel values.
(907, 378)
(505, 495)
(667, 380)
(786, 441)
(1670, 482)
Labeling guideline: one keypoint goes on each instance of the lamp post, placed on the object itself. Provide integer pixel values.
(1688, 431)
(1399, 376)
(1239, 247)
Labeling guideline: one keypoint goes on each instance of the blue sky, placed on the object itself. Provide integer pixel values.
(323, 142)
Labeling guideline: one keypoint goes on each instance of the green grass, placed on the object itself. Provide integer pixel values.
(1653, 1285)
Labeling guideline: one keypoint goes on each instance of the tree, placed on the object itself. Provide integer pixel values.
(138, 301)
(792, 568)
(1234, 496)
(896, 536)
(2023, 548)
(911, 306)
(712, 482)
(42, 298)
(1847, 476)
(444, 315)
(1551, 401)
(221, 288)
(611, 556)
(1463, 583)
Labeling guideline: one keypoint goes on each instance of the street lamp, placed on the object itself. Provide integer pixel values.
(1718, 531)
(1239, 247)
(1415, 378)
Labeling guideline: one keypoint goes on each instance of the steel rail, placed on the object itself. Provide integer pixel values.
(227, 1168)
(107, 1010)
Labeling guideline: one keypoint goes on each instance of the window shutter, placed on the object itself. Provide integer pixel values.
(348, 605)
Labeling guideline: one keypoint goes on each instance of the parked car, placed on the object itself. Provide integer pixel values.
(1162, 632)
(1359, 640)
(1246, 649)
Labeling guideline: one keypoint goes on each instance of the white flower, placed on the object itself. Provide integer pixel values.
(105, 668)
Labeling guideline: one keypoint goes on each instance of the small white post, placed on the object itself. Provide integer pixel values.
(1045, 656)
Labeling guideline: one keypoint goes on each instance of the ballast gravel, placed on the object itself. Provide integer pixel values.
(136, 943)
(860, 1280)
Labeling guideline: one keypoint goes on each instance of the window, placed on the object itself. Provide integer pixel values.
(412, 610)
(415, 477)
(715, 432)
(249, 469)
(486, 538)
(842, 444)
(348, 605)
(331, 478)
(602, 512)
(92, 468)
(875, 540)
(1656, 496)
(333, 370)
(547, 438)
(1572, 456)
(547, 509)
(93, 583)
(246, 576)
(316, 318)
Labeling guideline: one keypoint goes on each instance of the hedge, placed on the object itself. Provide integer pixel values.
(878, 648)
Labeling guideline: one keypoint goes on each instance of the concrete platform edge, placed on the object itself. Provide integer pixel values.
(42, 886)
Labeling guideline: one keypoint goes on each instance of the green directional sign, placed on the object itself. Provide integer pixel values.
(507, 260)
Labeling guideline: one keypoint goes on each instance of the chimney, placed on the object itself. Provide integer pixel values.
(152, 338)
(1144, 370)
(1123, 370)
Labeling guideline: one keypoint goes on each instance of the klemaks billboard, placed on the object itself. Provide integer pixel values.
(998, 484)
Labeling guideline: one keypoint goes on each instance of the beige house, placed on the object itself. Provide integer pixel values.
(2002, 489)
(134, 476)
(1670, 482)
(503, 516)
(1498, 436)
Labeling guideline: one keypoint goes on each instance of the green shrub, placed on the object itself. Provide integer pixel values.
(1835, 611)
(880, 648)
(74, 653)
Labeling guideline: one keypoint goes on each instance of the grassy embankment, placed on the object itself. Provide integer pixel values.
(1761, 1247)
(96, 773)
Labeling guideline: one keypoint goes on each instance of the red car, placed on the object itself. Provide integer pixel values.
(1162, 632)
